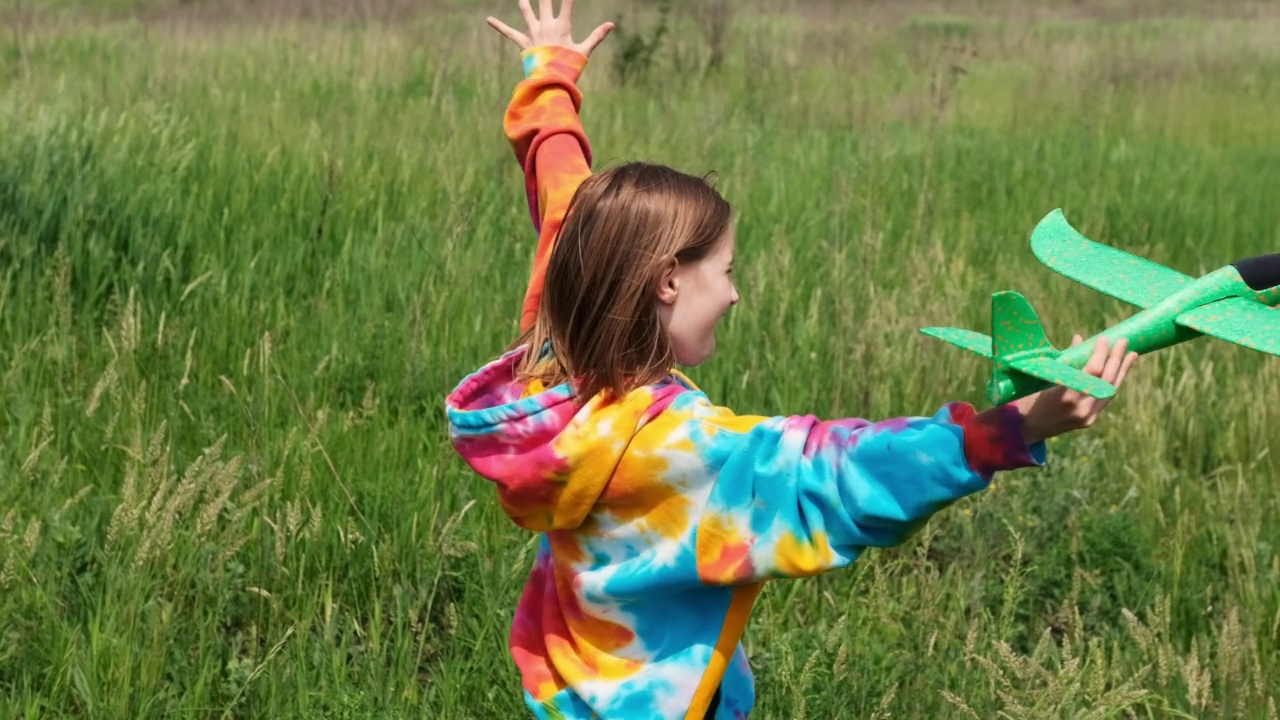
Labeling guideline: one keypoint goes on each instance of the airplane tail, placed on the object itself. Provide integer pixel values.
(1015, 326)
(1025, 361)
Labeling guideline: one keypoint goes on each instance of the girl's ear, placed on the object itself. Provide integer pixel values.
(668, 282)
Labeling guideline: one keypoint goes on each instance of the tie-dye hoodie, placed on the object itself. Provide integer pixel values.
(662, 513)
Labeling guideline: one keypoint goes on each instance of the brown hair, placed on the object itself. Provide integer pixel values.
(598, 308)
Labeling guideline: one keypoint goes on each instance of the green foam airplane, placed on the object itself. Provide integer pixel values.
(1235, 303)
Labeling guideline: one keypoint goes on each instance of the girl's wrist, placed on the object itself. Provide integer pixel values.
(996, 438)
(540, 59)
(1031, 430)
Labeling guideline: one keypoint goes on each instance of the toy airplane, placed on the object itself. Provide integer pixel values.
(1235, 303)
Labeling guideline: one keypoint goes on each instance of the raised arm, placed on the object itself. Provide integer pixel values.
(544, 129)
(546, 134)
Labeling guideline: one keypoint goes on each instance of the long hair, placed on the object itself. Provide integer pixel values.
(599, 310)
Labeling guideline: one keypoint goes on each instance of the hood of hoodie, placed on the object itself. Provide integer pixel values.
(549, 453)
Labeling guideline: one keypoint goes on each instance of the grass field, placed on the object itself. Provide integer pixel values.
(245, 252)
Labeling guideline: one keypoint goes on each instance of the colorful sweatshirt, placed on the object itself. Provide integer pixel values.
(661, 514)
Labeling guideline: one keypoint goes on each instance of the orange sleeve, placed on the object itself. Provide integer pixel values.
(546, 134)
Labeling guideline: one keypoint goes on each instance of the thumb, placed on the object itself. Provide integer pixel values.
(596, 37)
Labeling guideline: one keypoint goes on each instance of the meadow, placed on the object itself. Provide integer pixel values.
(246, 249)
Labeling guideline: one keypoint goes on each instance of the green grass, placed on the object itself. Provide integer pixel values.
(242, 265)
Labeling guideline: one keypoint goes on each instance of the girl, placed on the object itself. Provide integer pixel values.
(661, 513)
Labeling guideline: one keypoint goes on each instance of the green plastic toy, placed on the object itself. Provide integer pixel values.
(1235, 303)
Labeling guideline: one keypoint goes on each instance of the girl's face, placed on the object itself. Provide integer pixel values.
(692, 299)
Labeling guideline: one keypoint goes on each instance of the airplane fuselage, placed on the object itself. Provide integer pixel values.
(1238, 303)
(1256, 279)
(1154, 329)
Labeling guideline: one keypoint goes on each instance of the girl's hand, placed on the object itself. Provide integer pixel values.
(1059, 410)
(550, 30)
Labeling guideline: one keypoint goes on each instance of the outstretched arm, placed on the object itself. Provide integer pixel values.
(795, 496)
(544, 128)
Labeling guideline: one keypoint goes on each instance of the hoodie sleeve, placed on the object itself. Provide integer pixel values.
(794, 496)
(546, 134)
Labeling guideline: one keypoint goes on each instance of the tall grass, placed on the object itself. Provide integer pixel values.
(242, 265)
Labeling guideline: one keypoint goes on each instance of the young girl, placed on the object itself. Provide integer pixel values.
(661, 513)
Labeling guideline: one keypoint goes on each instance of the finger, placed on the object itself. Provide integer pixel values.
(1069, 396)
(566, 9)
(1114, 360)
(529, 18)
(1098, 360)
(1125, 362)
(596, 37)
(1085, 405)
(548, 13)
(1109, 371)
(515, 36)
(1129, 360)
(511, 33)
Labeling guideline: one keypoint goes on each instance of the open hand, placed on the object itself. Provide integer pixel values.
(1059, 410)
(551, 30)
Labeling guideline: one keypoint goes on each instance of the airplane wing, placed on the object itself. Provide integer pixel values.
(1056, 373)
(1237, 320)
(966, 339)
(1113, 272)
